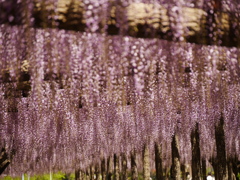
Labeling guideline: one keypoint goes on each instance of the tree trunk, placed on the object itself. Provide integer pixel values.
(134, 165)
(87, 174)
(109, 168)
(4, 165)
(124, 166)
(4, 160)
(196, 155)
(82, 175)
(146, 163)
(230, 165)
(176, 169)
(77, 174)
(184, 173)
(204, 169)
(97, 174)
(158, 161)
(91, 172)
(221, 160)
(235, 166)
(213, 162)
(167, 172)
(103, 169)
(116, 168)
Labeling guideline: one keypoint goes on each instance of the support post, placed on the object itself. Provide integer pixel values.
(109, 168)
(103, 169)
(134, 165)
(204, 169)
(196, 155)
(176, 169)
(221, 151)
(124, 166)
(158, 161)
(116, 167)
(146, 163)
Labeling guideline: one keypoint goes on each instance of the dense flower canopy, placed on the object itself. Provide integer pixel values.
(69, 98)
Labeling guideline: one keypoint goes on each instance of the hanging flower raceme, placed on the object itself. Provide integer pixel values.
(68, 98)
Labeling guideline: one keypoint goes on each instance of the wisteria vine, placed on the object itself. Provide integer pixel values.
(70, 98)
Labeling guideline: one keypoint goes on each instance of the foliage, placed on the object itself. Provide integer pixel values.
(55, 176)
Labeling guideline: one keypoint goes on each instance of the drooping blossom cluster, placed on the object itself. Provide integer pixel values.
(94, 95)
(69, 99)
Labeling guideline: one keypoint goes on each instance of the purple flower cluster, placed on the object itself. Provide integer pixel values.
(68, 98)
(92, 96)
